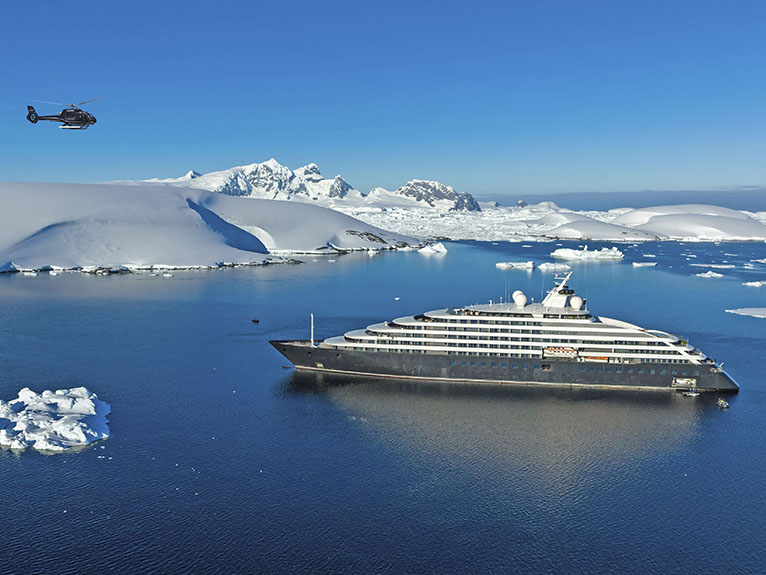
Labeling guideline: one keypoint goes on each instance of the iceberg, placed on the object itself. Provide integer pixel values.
(53, 420)
(755, 284)
(430, 249)
(584, 254)
(515, 265)
(710, 274)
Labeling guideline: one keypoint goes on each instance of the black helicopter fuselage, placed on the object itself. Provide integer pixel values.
(70, 118)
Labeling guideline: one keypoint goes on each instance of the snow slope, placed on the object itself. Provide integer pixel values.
(140, 226)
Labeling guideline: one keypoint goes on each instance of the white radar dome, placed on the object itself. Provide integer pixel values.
(519, 298)
(576, 302)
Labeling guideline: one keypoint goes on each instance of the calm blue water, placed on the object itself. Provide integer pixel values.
(222, 461)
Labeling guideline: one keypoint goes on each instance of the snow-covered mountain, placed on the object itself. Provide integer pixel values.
(271, 180)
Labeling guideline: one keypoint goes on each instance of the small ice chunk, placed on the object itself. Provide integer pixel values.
(515, 265)
(755, 284)
(553, 267)
(644, 264)
(437, 248)
(710, 274)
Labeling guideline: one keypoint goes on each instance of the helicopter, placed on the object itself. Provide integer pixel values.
(71, 118)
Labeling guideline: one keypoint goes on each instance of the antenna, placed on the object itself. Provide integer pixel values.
(312, 330)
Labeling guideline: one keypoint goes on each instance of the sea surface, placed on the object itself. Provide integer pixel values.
(223, 459)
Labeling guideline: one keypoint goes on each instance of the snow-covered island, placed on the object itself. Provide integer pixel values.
(426, 208)
(53, 420)
(93, 226)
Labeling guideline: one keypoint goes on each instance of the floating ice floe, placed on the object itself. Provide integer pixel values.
(716, 266)
(644, 264)
(552, 267)
(751, 311)
(585, 254)
(710, 274)
(759, 261)
(437, 248)
(755, 284)
(515, 265)
(53, 420)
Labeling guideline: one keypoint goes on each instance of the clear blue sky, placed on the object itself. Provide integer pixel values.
(490, 97)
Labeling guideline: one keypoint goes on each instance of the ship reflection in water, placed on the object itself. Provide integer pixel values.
(547, 441)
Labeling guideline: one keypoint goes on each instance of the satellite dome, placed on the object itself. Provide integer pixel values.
(519, 298)
(576, 302)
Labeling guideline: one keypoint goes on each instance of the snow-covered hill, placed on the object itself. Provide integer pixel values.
(546, 220)
(142, 226)
(273, 181)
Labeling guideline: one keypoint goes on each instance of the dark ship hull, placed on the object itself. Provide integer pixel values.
(524, 371)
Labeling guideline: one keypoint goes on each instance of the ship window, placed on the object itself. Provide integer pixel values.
(696, 372)
(484, 364)
(609, 370)
(546, 367)
(493, 364)
(663, 371)
(629, 370)
(590, 368)
(582, 368)
(618, 369)
(673, 372)
(640, 370)
(473, 364)
(537, 366)
(462, 363)
(452, 363)
(685, 372)
(600, 368)
(504, 364)
(526, 366)
(651, 371)
(515, 366)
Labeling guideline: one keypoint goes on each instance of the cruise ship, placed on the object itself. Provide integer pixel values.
(554, 342)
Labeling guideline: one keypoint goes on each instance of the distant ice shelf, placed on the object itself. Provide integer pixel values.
(53, 420)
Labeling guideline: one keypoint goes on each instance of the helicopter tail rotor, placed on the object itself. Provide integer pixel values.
(32, 115)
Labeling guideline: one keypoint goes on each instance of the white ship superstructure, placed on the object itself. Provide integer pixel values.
(559, 326)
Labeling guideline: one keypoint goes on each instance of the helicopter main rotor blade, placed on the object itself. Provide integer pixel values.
(86, 102)
(47, 102)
